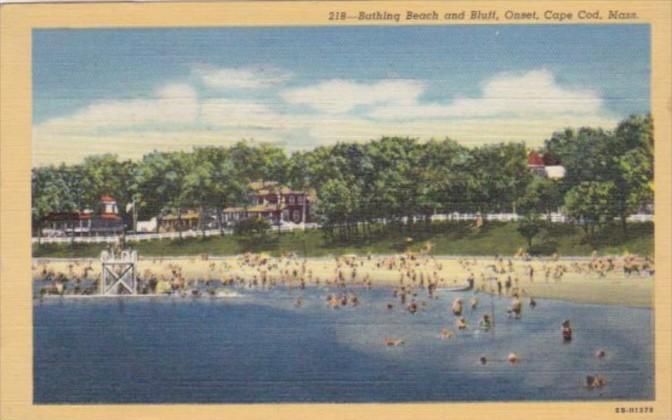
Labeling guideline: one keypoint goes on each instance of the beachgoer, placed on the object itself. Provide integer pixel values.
(473, 302)
(457, 307)
(412, 307)
(516, 307)
(596, 381)
(566, 331)
(485, 324)
(512, 358)
(446, 334)
(391, 342)
(461, 324)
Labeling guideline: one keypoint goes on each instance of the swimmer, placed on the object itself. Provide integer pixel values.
(566, 331)
(390, 342)
(516, 307)
(412, 307)
(461, 324)
(473, 302)
(600, 354)
(596, 381)
(446, 334)
(457, 307)
(485, 324)
(483, 360)
(512, 358)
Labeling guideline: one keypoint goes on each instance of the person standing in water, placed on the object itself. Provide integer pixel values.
(516, 307)
(461, 324)
(508, 284)
(457, 307)
(566, 331)
(485, 323)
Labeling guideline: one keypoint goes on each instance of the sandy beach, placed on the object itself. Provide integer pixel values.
(568, 279)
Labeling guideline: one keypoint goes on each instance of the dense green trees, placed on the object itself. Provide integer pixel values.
(391, 183)
(610, 173)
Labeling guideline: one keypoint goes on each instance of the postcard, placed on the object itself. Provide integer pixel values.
(336, 209)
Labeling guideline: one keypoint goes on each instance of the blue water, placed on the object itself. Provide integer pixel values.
(260, 348)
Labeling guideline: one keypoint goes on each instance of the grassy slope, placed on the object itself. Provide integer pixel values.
(448, 239)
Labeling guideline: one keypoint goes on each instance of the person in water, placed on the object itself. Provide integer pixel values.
(391, 342)
(596, 381)
(412, 307)
(566, 331)
(446, 334)
(457, 307)
(516, 307)
(485, 324)
(461, 324)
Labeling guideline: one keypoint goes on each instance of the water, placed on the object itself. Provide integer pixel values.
(260, 348)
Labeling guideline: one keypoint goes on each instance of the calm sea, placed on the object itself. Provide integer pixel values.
(260, 348)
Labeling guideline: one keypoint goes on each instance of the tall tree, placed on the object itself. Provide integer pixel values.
(590, 204)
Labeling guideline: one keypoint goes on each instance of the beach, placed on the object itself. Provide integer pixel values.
(600, 280)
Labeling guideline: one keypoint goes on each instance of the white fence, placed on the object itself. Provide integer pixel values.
(456, 217)
(163, 235)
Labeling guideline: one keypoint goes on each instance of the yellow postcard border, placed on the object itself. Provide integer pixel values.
(16, 23)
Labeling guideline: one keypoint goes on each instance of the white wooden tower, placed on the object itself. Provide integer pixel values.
(118, 273)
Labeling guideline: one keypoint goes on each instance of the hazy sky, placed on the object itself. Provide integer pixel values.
(132, 91)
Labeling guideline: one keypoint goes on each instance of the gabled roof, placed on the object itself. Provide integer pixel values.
(534, 159)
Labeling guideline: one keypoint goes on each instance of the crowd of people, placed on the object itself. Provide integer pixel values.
(413, 281)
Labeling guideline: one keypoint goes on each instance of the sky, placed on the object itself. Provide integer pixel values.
(131, 91)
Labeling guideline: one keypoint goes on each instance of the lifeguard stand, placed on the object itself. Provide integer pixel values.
(118, 273)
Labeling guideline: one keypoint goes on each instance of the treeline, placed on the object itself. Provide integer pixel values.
(609, 174)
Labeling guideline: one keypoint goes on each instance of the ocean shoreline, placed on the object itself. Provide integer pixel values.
(569, 281)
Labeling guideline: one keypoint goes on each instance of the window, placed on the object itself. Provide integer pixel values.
(291, 199)
(299, 200)
(296, 215)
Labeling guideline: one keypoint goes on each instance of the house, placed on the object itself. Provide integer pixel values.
(188, 220)
(274, 202)
(545, 166)
(105, 220)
